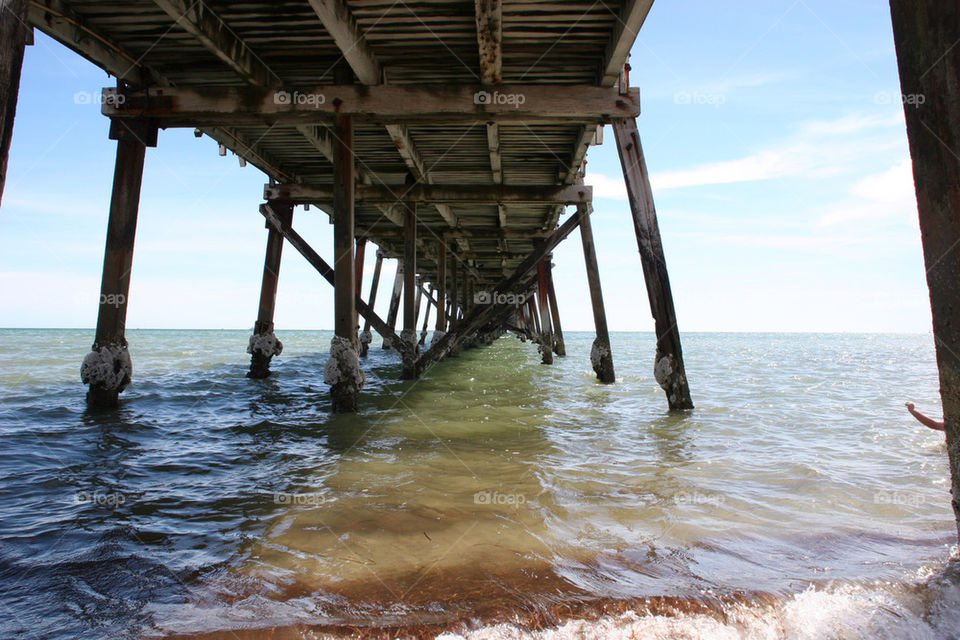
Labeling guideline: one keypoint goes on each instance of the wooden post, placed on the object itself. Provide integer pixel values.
(14, 34)
(454, 298)
(668, 369)
(926, 33)
(426, 318)
(263, 343)
(365, 335)
(559, 347)
(107, 368)
(409, 333)
(342, 371)
(361, 248)
(394, 309)
(546, 334)
(441, 327)
(601, 357)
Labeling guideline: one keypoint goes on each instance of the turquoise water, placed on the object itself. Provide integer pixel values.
(492, 498)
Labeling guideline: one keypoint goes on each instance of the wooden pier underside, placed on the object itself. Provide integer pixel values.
(467, 122)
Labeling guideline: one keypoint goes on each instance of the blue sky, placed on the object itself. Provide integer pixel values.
(773, 131)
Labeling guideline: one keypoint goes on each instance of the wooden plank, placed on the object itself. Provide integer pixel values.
(14, 33)
(446, 194)
(669, 369)
(214, 105)
(926, 33)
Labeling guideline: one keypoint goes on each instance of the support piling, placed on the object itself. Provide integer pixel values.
(14, 34)
(264, 345)
(601, 356)
(669, 369)
(926, 33)
(342, 371)
(107, 369)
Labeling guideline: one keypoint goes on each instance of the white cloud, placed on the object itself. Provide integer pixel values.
(821, 148)
(888, 195)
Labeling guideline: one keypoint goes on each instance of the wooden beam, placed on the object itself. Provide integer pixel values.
(441, 286)
(546, 330)
(560, 347)
(410, 290)
(627, 27)
(926, 34)
(259, 358)
(365, 341)
(601, 355)
(14, 33)
(394, 309)
(343, 28)
(215, 105)
(669, 369)
(110, 341)
(341, 25)
(445, 194)
(343, 232)
(213, 33)
(489, 14)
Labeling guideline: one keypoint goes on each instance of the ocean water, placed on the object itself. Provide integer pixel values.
(494, 498)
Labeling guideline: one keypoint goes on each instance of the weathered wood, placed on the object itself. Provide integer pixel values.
(601, 356)
(343, 217)
(669, 368)
(199, 106)
(110, 339)
(365, 337)
(426, 316)
(546, 330)
(489, 14)
(410, 289)
(926, 33)
(481, 314)
(432, 194)
(441, 285)
(344, 375)
(325, 270)
(58, 21)
(14, 33)
(625, 33)
(341, 25)
(259, 359)
(559, 346)
(395, 298)
(360, 250)
(200, 21)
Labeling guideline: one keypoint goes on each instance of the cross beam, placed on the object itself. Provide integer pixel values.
(215, 106)
(434, 193)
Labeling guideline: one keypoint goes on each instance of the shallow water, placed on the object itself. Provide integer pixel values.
(495, 495)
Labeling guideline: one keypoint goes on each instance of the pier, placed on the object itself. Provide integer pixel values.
(452, 140)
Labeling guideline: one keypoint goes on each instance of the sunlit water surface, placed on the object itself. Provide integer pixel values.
(495, 497)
